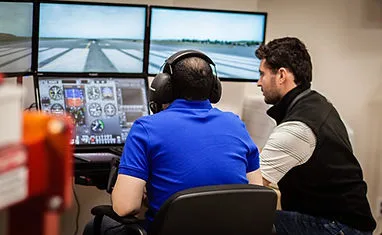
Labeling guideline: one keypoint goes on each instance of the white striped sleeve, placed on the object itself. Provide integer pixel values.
(290, 144)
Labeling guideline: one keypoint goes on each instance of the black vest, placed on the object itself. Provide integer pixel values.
(330, 184)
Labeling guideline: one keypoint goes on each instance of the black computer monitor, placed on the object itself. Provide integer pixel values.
(89, 37)
(103, 109)
(229, 38)
(16, 27)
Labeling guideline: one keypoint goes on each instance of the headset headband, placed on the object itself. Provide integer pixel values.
(162, 87)
(181, 55)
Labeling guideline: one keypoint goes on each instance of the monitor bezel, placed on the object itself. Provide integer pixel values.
(230, 79)
(145, 39)
(71, 75)
(33, 41)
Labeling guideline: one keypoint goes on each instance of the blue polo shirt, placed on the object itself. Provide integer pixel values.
(189, 144)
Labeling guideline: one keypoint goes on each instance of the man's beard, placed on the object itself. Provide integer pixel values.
(272, 99)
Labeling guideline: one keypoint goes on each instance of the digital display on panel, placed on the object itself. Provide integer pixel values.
(228, 38)
(16, 26)
(103, 109)
(91, 38)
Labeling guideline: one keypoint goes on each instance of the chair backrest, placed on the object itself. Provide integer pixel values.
(223, 209)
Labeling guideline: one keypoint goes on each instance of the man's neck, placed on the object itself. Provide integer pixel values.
(287, 88)
(278, 111)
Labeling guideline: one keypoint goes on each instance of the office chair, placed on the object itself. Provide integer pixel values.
(223, 209)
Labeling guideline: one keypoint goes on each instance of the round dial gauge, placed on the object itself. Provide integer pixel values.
(110, 110)
(94, 92)
(97, 125)
(55, 93)
(57, 109)
(95, 109)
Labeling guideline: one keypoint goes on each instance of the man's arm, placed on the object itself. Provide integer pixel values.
(290, 144)
(133, 173)
(127, 195)
(255, 177)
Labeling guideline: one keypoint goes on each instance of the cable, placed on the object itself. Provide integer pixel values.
(78, 209)
(33, 105)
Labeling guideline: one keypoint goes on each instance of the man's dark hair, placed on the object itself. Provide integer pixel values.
(192, 79)
(290, 53)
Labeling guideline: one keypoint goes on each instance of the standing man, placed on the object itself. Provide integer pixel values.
(308, 155)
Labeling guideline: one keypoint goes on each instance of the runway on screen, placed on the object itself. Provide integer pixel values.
(15, 56)
(122, 56)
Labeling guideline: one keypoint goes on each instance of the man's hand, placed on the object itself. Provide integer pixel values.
(266, 182)
(255, 177)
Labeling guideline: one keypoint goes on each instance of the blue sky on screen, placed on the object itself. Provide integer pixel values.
(201, 25)
(16, 18)
(91, 21)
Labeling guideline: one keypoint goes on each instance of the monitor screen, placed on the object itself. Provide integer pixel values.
(103, 109)
(91, 38)
(16, 26)
(228, 38)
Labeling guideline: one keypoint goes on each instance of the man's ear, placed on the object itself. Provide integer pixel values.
(282, 74)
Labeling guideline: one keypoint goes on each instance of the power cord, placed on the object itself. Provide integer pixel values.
(33, 105)
(78, 210)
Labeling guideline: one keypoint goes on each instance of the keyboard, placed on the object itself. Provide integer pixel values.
(96, 157)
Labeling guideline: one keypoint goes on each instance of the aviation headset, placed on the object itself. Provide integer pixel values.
(161, 89)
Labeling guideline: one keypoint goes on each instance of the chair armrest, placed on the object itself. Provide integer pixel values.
(107, 210)
(130, 221)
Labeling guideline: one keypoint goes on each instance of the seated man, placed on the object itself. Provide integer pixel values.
(309, 154)
(188, 144)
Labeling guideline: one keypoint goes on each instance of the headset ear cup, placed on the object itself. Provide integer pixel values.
(216, 91)
(155, 107)
(161, 89)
